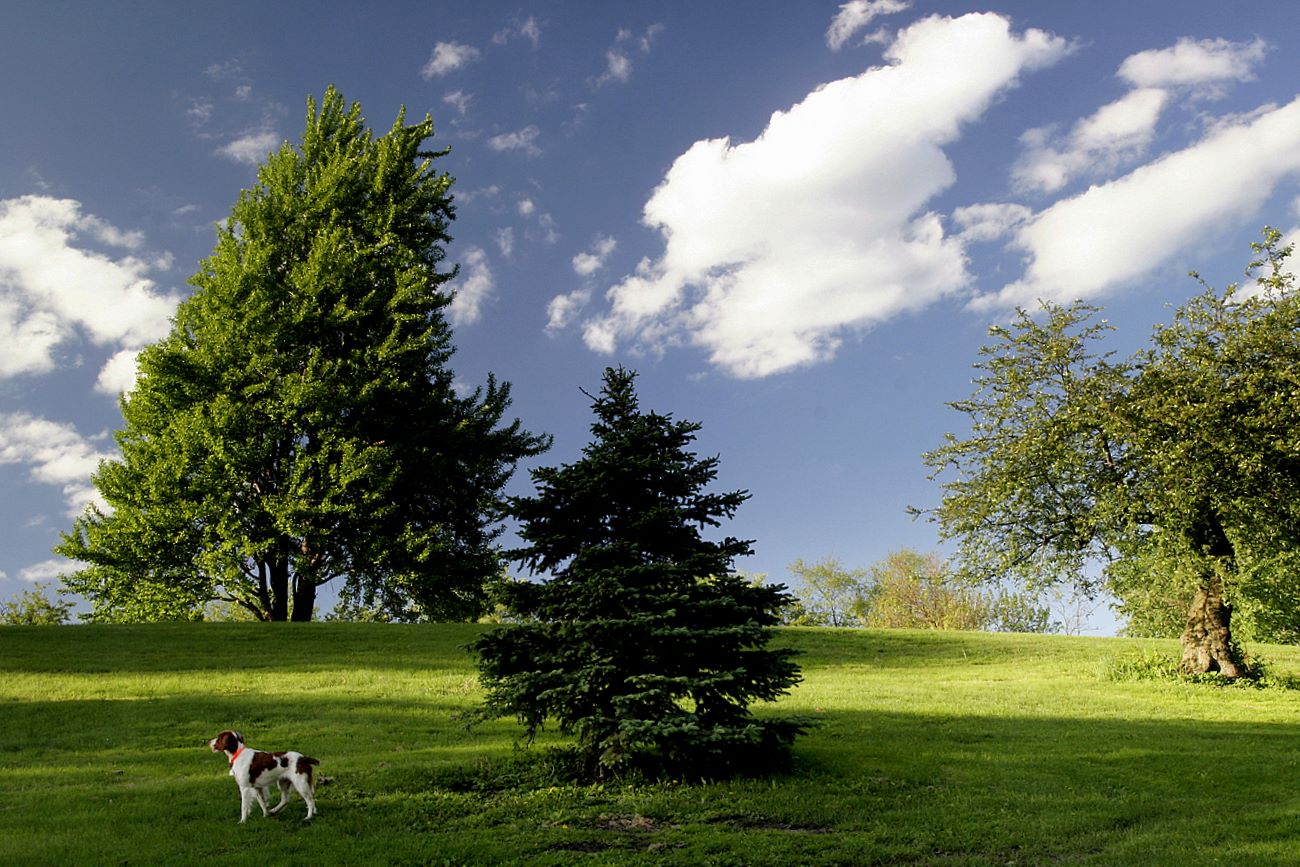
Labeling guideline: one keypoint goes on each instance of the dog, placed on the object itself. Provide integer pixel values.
(255, 771)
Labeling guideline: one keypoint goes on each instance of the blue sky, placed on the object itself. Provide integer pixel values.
(795, 219)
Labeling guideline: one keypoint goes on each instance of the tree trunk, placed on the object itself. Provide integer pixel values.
(1207, 639)
(279, 568)
(304, 599)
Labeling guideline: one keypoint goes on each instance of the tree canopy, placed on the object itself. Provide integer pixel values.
(301, 423)
(1175, 472)
(643, 642)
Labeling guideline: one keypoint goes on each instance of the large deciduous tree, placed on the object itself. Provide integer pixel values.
(1178, 469)
(643, 642)
(300, 424)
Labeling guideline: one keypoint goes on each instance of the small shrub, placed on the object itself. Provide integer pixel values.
(1152, 665)
(1142, 665)
(34, 608)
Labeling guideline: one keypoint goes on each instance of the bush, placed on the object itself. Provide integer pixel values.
(34, 608)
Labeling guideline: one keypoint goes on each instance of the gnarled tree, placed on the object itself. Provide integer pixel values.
(1185, 457)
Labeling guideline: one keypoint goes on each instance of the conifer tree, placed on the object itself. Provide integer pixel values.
(643, 643)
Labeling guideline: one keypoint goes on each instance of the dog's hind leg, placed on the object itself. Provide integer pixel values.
(304, 788)
(286, 792)
(259, 792)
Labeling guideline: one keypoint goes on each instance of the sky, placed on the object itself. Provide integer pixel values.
(795, 219)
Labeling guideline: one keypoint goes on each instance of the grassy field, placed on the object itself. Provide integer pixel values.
(955, 748)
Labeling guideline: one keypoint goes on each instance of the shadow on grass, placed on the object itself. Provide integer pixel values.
(160, 648)
(870, 787)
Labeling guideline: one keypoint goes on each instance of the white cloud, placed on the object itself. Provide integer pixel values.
(1116, 133)
(448, 57)
(118, 374)
(520, 140)
(56, 455)
(1114, 233)
(618, 67)
(525, 207)
(505, 238)
(200, 111)
(252, 147)
(775, 249)
(546, 231)
(854, 17)
(593, 259)
(52, 287)
(1194, 63)
(618, 62)
(472, 288)
(225, 70)
(563, 309)
(527, 29)
(459, 100)
(989, 222)
(47, 570)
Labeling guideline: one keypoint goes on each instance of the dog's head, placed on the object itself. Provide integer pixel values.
(226, 742)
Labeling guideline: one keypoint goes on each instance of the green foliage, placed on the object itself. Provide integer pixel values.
(643, 643)
(916, 591)
(301, 424)
(909, 590)
(34, 607)
(1180, 467)
(829, 594)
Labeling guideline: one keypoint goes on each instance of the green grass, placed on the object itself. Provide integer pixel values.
(957, 748)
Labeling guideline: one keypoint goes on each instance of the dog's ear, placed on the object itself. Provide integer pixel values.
(239, 739)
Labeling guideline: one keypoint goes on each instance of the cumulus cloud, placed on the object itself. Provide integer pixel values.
(55, 455)
(1116, 133)
(989, 222)
(1115, 232)
(564, 309)
(54, 286)
(472, 288)
(524, 140)
(1121, 132)
(776, 249)
(593, 258)
(854, 17)
(448, 57)
(252, 147)
(47, 570)
(1205, 62)
(118, 374)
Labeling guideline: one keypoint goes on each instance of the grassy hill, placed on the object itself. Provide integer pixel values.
(934, 748)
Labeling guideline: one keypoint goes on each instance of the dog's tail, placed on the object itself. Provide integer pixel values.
(306, 766)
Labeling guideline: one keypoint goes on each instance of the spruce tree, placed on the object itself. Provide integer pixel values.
(643, 643)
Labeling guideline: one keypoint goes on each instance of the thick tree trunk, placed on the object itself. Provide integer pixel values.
(304, 599)
(279, 567)
(1207, 639)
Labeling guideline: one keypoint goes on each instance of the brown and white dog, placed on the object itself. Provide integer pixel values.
(255, 771)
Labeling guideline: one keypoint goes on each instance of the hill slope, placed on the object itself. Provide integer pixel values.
(950, 748)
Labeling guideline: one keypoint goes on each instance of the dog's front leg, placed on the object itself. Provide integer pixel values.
(245, 796)
(259, 792)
